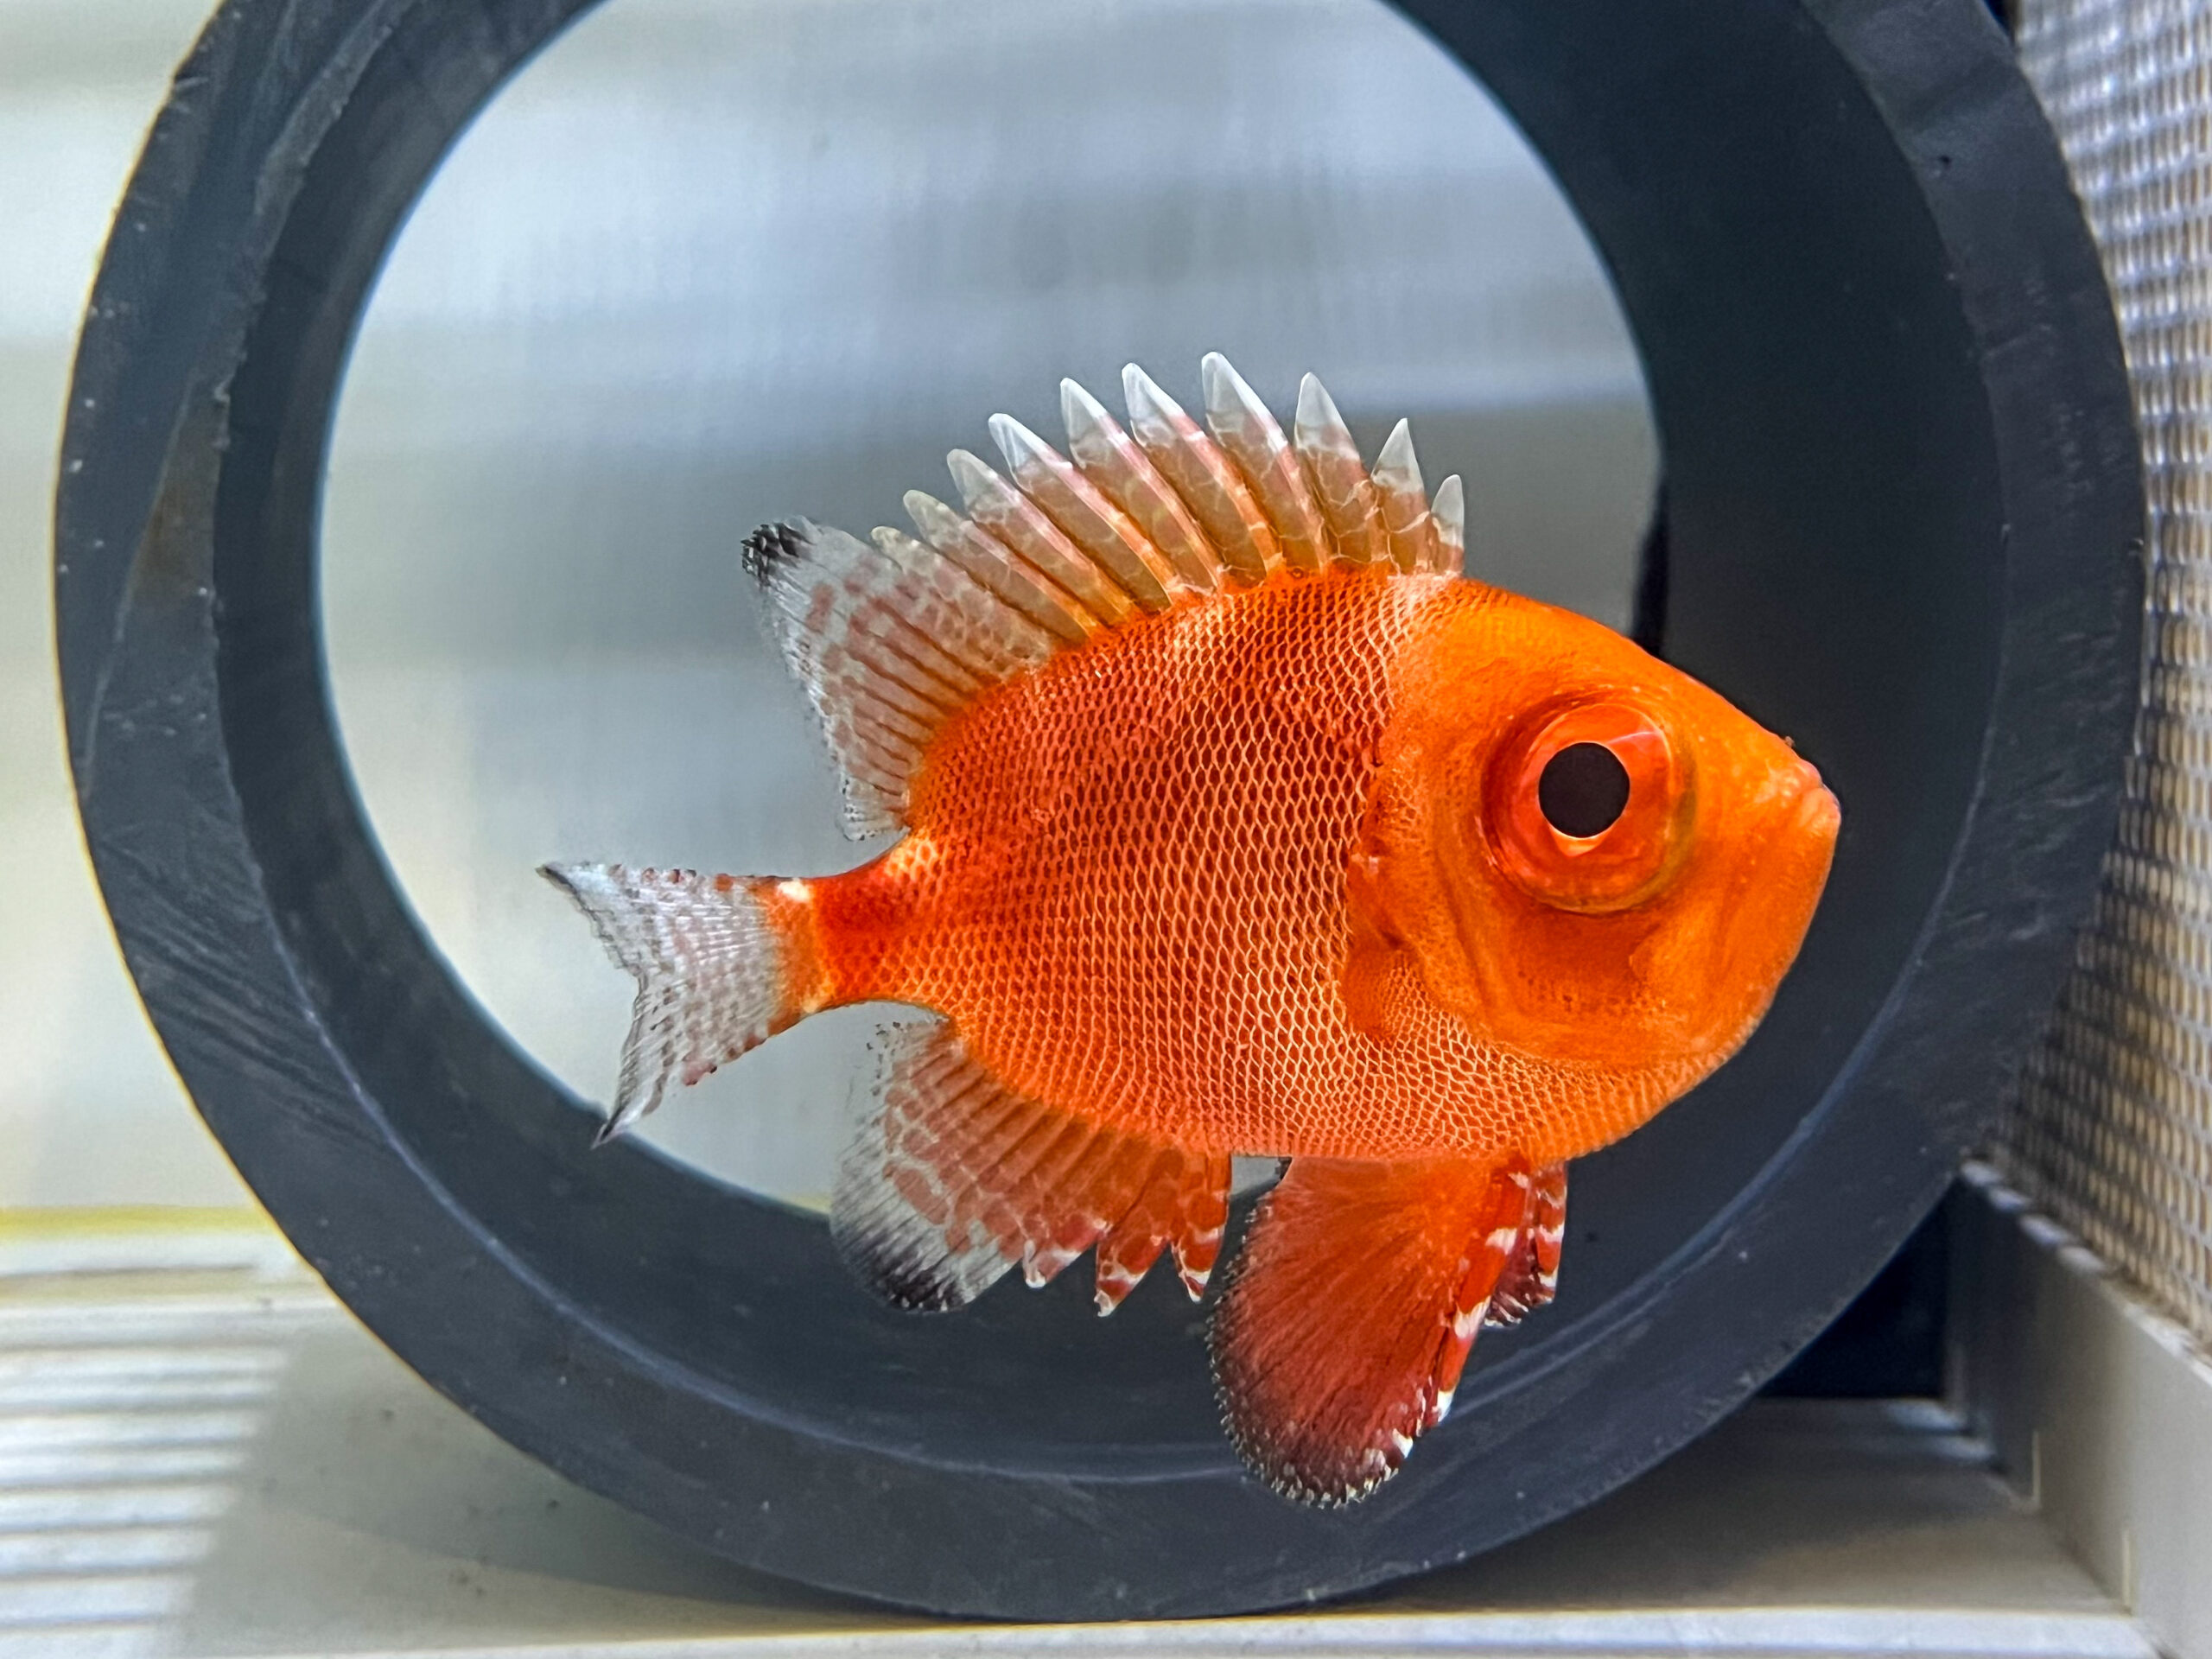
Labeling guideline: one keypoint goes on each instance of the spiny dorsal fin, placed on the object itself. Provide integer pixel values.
(1207, 480)
(1344, 492)
(1243, 426)
(890, 640)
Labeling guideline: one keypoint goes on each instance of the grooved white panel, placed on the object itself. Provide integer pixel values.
(210, 1460)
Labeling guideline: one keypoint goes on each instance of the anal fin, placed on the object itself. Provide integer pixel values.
(953, 1178)
(1182, 1207)
(1351, 1312)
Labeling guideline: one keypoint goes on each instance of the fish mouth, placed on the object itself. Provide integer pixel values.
(1795, 845)
(1766, 927)
(1808, 807)
(1797, 851)
(1818, 812)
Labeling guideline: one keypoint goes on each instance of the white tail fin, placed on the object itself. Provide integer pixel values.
(709, 965)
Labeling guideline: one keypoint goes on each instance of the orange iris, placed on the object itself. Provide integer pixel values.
(1585, 805)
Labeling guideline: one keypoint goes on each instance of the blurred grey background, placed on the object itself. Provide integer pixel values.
(710, 262)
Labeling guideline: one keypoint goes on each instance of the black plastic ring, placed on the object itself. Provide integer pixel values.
(1904, 524)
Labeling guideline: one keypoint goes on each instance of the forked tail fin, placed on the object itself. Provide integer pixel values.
(709, 954)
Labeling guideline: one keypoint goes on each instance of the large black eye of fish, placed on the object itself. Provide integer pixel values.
(1583, 791)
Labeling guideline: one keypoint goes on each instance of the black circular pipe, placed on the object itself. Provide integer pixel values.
(1903, 524)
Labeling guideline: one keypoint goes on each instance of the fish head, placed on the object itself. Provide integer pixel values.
(1595, 861)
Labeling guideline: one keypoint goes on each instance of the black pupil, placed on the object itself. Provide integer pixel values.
(1583, 791)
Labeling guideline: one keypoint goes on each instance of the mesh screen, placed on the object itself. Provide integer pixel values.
(2113, 1134)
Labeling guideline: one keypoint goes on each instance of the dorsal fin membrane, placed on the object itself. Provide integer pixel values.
(1112, 460)
(1203, 476)
(1406, 517)
(1449, 510)
(986, 558)
(1108, 535)
(1341, 487)
(888, 641)
(892, 639)
(975, 636)
(1242, 425)
(1016, 521)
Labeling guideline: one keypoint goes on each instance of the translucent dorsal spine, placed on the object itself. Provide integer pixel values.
(1018, 522)
(1341, 487)
(1244, 429)
(1406, 517)
(1449, 509)
(1204, 477)
(975, 637)
(987, 559)
(1108, 535)
(894, 639)
(1112, 460)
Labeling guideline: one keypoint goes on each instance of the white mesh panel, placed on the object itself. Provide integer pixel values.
(2114, 1132)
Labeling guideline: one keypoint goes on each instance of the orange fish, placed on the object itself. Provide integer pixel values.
(1236, 821)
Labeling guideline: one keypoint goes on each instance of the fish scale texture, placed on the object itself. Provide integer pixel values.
(1136, 908)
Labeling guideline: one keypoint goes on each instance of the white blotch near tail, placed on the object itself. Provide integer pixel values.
(708, 968)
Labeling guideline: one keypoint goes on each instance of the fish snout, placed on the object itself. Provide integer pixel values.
(1796, 842)
(1819, 812)
(1790, 833)
(1816, 812)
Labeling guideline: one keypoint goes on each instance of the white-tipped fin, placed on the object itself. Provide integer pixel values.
(1242, 425)
(986, 558)
(890, 640)
(1112, 460)
(1406, 516)
(966, 634)
(953, 1178)
(1341, 486)
(1102, 530)
(1531, 1275)
(1021, 526)
(709, 966)
(1449, 509)
(1204, 477)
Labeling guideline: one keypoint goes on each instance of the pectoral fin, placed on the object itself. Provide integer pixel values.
(1379, 969)
(1351, 1310)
